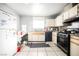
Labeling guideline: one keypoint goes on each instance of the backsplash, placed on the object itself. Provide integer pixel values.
(74, 25)
(74, 28)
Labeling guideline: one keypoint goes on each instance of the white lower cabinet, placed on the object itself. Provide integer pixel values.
(29, 36)
(74, 49)
(41, 38)
(38, 38)
(34, 37)
(54, 37)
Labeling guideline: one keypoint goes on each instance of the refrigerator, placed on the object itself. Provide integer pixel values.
(8, 38)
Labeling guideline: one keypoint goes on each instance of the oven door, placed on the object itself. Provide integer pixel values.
(62, 42)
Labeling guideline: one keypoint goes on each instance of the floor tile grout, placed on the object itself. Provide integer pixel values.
(28, 52)
(55, 51)
(46, 51)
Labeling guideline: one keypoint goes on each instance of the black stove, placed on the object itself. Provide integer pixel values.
(63, 42)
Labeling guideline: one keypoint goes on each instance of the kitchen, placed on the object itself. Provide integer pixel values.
(41, 29)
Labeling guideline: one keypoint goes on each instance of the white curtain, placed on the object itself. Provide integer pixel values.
(38, 23)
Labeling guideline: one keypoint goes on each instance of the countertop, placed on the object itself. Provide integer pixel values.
(37, 33)
(77, 35)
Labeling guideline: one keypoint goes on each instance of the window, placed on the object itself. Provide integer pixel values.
(38, 23)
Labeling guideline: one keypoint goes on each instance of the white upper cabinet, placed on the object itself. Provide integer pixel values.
(66, 15)
(73, 11)
(59, 20)
(56, 21)
(50, 22)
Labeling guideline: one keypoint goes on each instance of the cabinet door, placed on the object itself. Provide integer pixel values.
(59, 20)
(55, 37)
(34, 37)
(30, 37)
(41, 38)
(74, 49)
(66, 15)
(73, 12)
(56, 22)
(50, 22)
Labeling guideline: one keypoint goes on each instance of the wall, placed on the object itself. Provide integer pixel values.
(28, 20)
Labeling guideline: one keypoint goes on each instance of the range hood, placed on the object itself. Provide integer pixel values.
(73, 19)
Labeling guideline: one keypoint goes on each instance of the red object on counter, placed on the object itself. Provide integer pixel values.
(18, 49)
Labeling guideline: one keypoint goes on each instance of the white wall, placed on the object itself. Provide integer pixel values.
(28, 20)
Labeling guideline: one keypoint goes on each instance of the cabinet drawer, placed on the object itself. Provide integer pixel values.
(74, 49)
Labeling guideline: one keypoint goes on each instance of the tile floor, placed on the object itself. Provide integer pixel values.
(53, 50)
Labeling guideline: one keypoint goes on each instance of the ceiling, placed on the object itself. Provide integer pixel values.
(37, 9)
